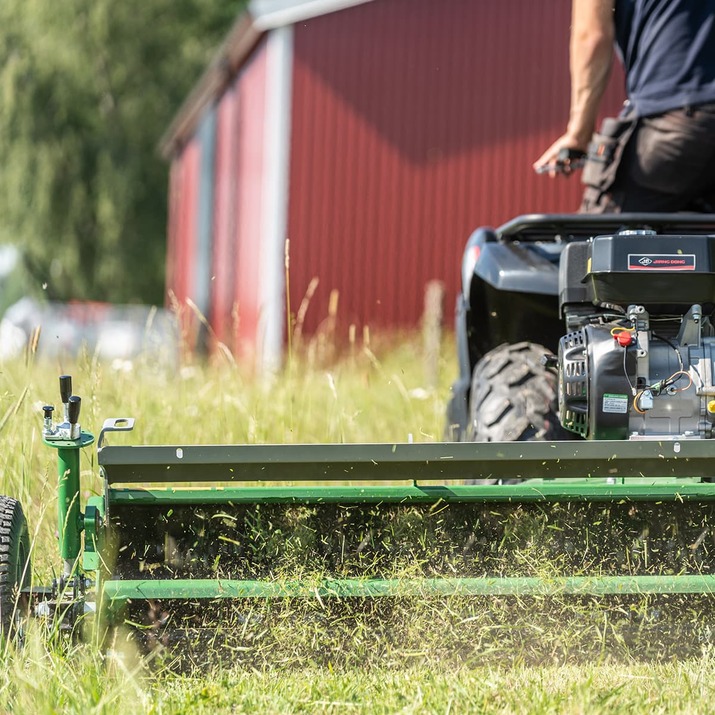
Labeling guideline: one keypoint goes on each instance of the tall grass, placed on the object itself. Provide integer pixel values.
(371, 393)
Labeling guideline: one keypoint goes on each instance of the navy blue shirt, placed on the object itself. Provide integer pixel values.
(668, 51)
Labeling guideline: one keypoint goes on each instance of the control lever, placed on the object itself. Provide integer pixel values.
(47, 411)
(74, 405)
(65, 393)
(69, 428)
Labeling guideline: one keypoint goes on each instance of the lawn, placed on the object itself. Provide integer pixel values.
(423, 658)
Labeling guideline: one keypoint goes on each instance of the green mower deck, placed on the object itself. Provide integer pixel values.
(206, 524)
(647, 481)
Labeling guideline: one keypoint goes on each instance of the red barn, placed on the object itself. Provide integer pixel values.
(375, 135)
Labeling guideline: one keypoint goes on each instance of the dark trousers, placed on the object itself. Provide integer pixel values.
(667, 164)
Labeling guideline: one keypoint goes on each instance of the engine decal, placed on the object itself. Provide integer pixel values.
(615, 403)
(661, 262)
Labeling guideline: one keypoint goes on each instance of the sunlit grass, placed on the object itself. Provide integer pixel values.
(446, 656)
(77, 680)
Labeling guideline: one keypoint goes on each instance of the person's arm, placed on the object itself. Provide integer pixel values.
(591, 57)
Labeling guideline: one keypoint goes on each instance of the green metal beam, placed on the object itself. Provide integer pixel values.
(372, 588)
(593, 491)
(414, 462)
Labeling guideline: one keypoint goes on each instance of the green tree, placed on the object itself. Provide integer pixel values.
(86, 90)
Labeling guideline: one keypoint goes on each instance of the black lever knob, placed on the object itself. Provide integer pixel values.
(74, 406)
(65, 388)
(47, 411)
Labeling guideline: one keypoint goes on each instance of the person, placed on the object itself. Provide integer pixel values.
(659, 154)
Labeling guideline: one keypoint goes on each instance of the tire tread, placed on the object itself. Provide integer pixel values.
(513, 397)
(14, 558)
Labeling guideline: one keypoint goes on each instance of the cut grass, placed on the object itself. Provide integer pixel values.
(39, 680)
(309, 658)
(566, 689)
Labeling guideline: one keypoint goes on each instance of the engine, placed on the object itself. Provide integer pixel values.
(638, 359)
(624, 379)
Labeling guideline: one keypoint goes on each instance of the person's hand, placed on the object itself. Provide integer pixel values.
(564, 156)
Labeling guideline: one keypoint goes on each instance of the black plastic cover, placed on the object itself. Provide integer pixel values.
(653, 269)
(573, 284)
(609, 393)
(595, 396)
(520, 268)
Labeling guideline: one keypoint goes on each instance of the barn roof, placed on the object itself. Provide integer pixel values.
(259, 17)
(268, 14)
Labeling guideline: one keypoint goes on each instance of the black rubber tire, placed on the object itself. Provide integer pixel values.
(15, 569)
(513, 397)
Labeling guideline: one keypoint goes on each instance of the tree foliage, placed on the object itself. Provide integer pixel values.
(86, 90)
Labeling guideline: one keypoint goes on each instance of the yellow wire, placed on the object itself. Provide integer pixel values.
(635, 403)
(618, 329)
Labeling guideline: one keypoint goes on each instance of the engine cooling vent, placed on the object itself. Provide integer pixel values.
(573, 382)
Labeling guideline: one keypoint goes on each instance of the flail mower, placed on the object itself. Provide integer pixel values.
(586, 447)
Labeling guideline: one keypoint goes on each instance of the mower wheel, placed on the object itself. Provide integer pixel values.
(513, 397)
(15, 569)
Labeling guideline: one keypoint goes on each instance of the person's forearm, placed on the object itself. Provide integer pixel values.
(592, 36)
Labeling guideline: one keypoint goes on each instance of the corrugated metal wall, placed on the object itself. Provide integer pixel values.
(184, 194)
(224, 249)
(415, 121)
(215, 213)
(191, 227)
(250, 116)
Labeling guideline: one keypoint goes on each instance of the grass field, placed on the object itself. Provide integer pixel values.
(378, 394)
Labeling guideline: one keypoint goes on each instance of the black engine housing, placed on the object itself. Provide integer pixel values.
(594, 393)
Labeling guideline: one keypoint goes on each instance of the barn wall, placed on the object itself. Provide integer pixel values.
(223, 283)
(413, 123)
(183, 210)
(173, 223)
(190, 230)
(250, 99)
(215, 225)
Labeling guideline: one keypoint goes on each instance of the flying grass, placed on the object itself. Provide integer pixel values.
(508, 654)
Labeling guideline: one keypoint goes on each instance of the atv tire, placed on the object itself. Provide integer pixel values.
(15, 570)
(513, 397)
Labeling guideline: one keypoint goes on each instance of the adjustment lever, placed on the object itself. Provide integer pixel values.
(66, 393)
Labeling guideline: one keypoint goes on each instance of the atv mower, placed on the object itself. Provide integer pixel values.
(584, 468)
